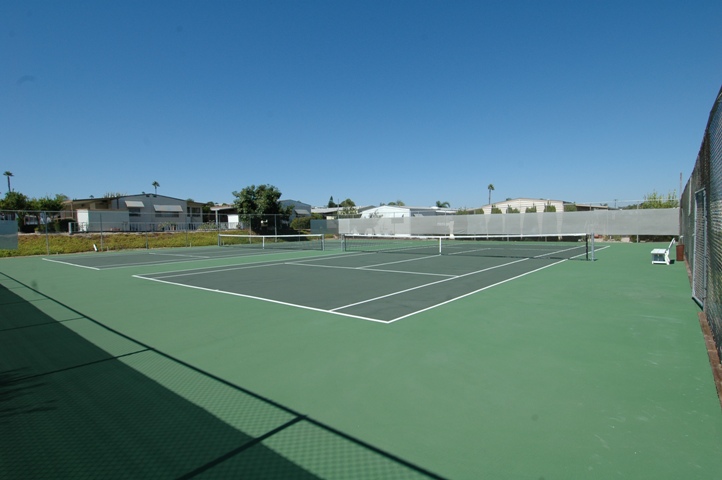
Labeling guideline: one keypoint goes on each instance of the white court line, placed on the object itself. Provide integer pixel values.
(400, 261)
(177, 255)
(224, 268)
(429, 284)
(121, 265)
(474, 292)
(173, 262)
(71, 264)
(278, 302)
(335, 310)
(333, 256)
(188, 273)
(366, 269)
(161, 262)
(560, 251)
(522, 248)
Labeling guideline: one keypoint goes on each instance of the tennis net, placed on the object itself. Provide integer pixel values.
(568, 246)
(271, 242)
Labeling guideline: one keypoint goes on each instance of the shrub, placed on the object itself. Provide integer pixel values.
(301, 223)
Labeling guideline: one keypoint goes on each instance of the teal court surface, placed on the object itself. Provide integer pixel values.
(367, 286)
(215, 363)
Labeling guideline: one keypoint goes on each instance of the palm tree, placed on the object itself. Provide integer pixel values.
(440, 204)
(8, 174)
(491, 189)
(156, 185)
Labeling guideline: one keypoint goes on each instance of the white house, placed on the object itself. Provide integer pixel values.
(139, 213)
(395, 211)
(522, 204)
(340, 212)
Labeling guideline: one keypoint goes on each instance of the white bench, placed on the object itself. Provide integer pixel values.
(661, 255)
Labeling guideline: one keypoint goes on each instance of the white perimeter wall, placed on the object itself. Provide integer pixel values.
(600, 222)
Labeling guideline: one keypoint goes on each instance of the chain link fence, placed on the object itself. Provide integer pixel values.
(701, 224)
(35, 232)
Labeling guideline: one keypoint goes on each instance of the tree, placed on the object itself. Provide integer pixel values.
(349, 207)
(440, 204)
(48, 204)
(465, 211)
(397, 203)
(156, 185)
(8, 174)
(207, 216)
(491, 189)
(258, 205)
(655, 200)
(20, 203)
(15, 201)
(331, 203)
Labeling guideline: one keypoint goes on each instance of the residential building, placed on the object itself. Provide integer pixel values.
(521, 205)
(395, 211)
(134, 213)
(300, 209)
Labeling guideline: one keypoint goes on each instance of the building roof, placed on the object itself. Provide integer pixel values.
(118, 197)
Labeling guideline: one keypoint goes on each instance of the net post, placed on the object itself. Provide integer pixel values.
(592, 245)
(439, 245)
(323, 242)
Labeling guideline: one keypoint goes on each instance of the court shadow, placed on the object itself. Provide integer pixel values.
(70, 409)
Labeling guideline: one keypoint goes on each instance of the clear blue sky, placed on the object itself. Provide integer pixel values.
(376, 101)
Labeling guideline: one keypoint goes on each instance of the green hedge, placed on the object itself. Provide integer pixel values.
(38, 243)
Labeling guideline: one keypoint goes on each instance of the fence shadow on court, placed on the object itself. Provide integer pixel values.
(69, 409)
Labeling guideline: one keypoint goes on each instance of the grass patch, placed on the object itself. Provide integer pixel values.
(40, 244)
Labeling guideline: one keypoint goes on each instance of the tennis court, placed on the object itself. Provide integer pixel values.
(380, 279)
(216, 362)
(383, 287)
(134, 258)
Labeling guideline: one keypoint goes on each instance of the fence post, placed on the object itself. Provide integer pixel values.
(47, 238)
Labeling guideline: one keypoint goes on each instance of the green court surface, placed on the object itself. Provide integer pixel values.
(196, 363)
